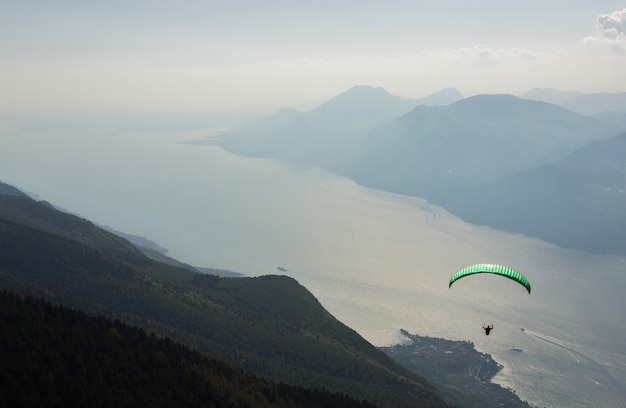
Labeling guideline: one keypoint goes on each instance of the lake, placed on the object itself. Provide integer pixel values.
(377, 261)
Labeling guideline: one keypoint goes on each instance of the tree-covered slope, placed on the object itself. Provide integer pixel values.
(53, 356)
(270, 325)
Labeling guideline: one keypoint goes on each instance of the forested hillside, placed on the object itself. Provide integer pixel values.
(270, 326)
(53, 356)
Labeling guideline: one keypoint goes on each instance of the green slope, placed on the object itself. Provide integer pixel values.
(271, 325)
(54, 356)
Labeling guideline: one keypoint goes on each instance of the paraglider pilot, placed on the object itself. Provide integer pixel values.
(487, 329)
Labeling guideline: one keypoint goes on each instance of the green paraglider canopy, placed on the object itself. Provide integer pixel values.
(491, 268)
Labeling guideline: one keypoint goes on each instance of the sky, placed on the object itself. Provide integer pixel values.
(158, 56)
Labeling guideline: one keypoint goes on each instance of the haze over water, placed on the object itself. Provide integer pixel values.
(377, 261)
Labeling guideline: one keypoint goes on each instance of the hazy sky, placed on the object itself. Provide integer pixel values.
(198, 56)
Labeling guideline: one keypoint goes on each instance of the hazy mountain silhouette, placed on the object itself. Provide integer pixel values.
(592, 103)
(360, 107)
(584, 104)
(432, 150)
(444, 97)
(549, 95)
(322, 135)
(447, 153)
(599, 163)
(577, 202)
(617, 119)
(488, 160)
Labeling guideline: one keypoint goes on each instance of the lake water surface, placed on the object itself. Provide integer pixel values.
(377, 261)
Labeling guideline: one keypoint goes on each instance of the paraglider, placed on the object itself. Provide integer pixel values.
(500, 270)
(491, 268)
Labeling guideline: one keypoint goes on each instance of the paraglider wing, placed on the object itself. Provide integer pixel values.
(491, 268)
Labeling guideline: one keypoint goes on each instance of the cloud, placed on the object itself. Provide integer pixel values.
(483, 55)
(613, 23)
(611, 31)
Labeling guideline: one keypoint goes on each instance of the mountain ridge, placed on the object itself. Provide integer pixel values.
(450, 143)
(594, 103)
(444, 153)
(549, 95)
(270, 326)
(57, 356)
(315, 137)
(577, 202)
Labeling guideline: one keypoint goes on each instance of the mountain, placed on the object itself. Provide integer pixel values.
(322, 135)
(360, 107)
(431, 151)
(584, 104)
(576, 202)
(471, 141)
(451, 154)
(28, 213)
(10, 190)
(270, 326)
(316, 135)
(444, 97)
(501, 161)
(592, 103)
(550, 95)
(54, 356)
(616, 119)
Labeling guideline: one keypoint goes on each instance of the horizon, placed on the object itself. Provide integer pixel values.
(194, 58)
(213, 123)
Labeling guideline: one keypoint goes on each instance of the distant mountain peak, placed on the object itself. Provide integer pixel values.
(444, 97)
(371, 87)
(593, 103)
(366, 89)
(549, 95)
(358, 94)
(491, 97)
(504, 103)
(492, 102)
(362, 104)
